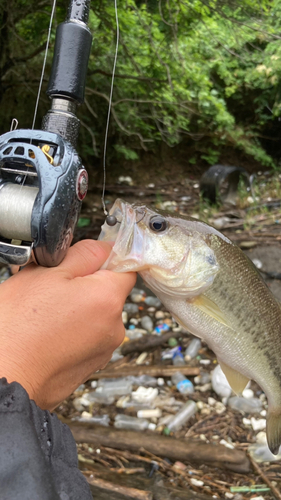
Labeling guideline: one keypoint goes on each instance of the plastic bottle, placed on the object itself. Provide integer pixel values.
(98, 397)
(239, 403)
(193, 349)
(261, 453)
(178, 359)
(168, 353)
(116, 355)
(131, 308)
(97, 419)
(130, 423)
(220, 383)
(186, 412)
(152, 301)
(114, 387)
(145, 380)
(147, 323)
(183, 385)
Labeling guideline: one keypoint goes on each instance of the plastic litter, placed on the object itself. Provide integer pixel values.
(80, 403)
(258, 424)
(114, 387)
(145, 380)
(241, 404)
(97, 419)
(196, 482)
(150, 413)
(178, 359)
(203, 378)
(124, 317)
(161, 328)
(159, 315)
(4, 274)
(220, 384)
(192, 349)
(134, 321)
(131, 308)
(145, 394)
(172, 342)
(248, 393)
(135, 333)
(131, 423)
(99, 397)
(116, 355)
(147, 323)
(183, 384)
(261, 453)
(152, 301)
(142, 357)
(136, 297)
(186, 412)
(168, 353)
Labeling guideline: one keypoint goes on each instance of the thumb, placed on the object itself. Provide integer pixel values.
(84, 258)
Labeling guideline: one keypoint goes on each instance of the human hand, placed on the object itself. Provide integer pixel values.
(59, 325)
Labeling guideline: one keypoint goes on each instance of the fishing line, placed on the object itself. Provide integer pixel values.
(109, 108)
(42, 76)
(44, 63)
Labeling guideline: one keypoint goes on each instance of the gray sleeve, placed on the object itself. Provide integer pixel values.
(38, 457)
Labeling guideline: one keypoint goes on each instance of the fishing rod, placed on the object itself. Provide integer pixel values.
(42, 179)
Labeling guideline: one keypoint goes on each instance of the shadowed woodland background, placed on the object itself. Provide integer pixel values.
(197, 81)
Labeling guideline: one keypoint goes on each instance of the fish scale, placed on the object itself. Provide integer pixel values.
(211, 288)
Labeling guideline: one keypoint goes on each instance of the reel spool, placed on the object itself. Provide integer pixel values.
(42, 180)
(38, 218)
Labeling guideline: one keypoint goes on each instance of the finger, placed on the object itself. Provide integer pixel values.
(122, 282)
(85, 257)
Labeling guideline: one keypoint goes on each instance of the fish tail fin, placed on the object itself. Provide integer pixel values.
(273, 429)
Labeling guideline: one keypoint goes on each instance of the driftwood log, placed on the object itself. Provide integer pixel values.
(163, 446)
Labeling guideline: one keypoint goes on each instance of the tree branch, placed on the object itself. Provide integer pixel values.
(125, 77)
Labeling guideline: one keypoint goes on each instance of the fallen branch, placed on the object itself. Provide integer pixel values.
(153, 371)
(163, 446)
(274, 490)
(147, 342)
(130, 493)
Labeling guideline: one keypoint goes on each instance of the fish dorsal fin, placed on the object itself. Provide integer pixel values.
(209, 307)
(236, 380)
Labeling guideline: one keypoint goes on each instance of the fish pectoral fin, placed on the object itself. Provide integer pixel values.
(209, 307)
(273, 430)
(236, 380)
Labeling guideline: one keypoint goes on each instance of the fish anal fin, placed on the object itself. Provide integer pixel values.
(209, 307)
(236, 380)
(273, 429)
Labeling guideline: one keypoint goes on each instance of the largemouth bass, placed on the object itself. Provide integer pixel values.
(211, 288)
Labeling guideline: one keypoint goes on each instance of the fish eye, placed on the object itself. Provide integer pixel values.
(158, 223)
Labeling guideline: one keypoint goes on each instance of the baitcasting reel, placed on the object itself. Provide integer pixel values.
(42, 180)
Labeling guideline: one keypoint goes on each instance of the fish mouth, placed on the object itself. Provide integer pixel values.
(127, 238)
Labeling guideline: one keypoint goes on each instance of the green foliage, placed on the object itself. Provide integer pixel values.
(206, 71)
